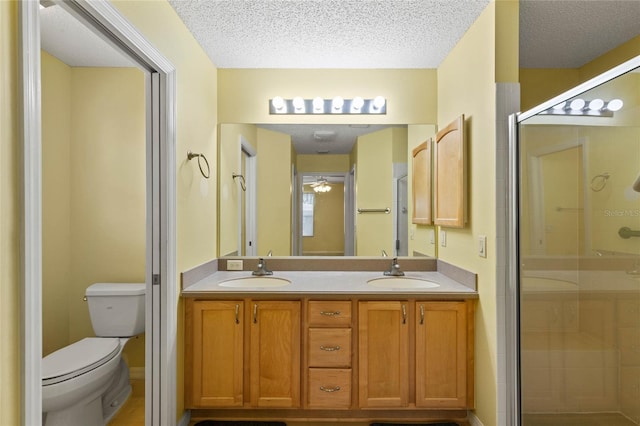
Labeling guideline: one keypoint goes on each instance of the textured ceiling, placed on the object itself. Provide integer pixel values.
(571, 33)
(328, 33)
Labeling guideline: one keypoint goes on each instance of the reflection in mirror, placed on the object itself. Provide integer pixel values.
(579, 168)
(366, 168)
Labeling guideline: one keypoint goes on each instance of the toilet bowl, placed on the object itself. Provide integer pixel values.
(86, 382)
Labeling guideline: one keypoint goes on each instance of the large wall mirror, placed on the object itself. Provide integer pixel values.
(319, 190)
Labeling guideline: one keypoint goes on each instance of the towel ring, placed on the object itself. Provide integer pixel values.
(243, 185)
(191, 155)
(599, 182)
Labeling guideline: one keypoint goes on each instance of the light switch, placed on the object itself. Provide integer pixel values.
(482, 246)
(443, 238)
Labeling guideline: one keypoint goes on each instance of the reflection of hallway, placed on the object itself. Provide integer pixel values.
(132, 412)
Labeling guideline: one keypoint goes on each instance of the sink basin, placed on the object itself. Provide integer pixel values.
(255, 282)
(402, 282)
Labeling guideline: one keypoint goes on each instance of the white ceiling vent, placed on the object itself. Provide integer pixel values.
(324, 135)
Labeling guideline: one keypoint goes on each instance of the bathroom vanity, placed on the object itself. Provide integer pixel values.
(329, 345)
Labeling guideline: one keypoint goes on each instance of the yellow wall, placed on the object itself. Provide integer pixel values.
(467, 85)
(56, 203)
(10, 219)
(274, 193)
(420, 236)
(374, 179)
(244, 93)
(323, 163)
(229, 190)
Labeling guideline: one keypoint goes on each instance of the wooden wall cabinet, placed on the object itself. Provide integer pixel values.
(450, 176)
(421, 183)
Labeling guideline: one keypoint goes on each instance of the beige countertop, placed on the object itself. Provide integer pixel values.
(327, 284)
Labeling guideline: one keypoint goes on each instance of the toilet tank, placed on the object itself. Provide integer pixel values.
(116, 309)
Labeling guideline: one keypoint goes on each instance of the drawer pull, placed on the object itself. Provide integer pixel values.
(334, 389)
(330, 313)
(330, 348)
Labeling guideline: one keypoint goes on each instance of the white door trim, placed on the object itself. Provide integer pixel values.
(161, 322)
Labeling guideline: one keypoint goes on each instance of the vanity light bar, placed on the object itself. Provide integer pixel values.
(337, 105)
(581, 107)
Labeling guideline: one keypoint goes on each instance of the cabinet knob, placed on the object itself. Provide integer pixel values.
(237, 314)
(404, 314)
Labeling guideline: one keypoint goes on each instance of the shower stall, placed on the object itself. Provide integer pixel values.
(574, 262)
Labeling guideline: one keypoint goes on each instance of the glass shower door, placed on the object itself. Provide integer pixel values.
(578, 232)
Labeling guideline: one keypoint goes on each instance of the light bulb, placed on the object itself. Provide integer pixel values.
(318, 104)
(577, 104)
(596, 104)
(298, 103)
(278, 103)
(615, 105)
(357, 103)
(337, 103)
(378, 102)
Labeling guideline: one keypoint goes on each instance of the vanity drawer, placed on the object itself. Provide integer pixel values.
(329, 388)
(329, 347)
(330, 313)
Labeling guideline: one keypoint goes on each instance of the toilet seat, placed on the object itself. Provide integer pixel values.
(78, 358)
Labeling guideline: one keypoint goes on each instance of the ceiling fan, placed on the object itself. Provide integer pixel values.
(321, 185)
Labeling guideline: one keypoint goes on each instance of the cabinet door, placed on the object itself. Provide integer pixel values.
(383, 354)
(215, 354)
(275, 354)
(441, 354)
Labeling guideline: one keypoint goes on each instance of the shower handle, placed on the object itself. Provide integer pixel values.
(626, 232)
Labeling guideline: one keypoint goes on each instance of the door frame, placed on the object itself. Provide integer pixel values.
(161, 281)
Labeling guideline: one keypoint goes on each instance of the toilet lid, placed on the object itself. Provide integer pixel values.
(78, 358)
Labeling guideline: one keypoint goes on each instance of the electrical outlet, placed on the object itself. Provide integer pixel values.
(443, 238)
(234, 265)
(432, 236)
(482, 246)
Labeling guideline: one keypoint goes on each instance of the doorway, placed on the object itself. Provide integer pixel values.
(159, 169)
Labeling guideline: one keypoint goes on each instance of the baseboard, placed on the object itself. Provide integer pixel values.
(474, 420)
(185, 419)
(136, 373)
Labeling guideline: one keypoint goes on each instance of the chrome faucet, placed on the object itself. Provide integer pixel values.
(394, 271)
(262, 270)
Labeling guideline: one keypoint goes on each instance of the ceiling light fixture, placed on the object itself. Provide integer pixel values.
(337, 105)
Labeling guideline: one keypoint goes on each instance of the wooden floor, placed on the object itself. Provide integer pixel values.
(132, 412)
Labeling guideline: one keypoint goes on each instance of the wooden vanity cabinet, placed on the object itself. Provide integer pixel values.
(274, 367)
(444, 355)
(426, 362)
(329, 354)
(214, 353)
(323, 355)
(221, 336)
(383, 339)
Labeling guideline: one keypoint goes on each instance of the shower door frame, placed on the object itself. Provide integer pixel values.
(512, 255)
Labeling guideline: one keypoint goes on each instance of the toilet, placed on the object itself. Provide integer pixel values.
(86, 382)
